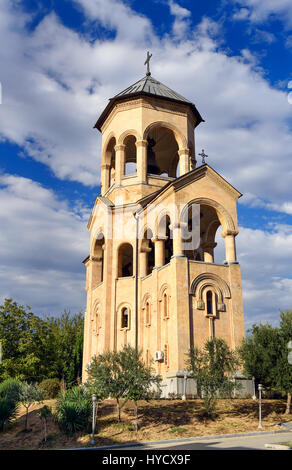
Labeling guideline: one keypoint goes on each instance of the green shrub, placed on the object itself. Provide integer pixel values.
(8, 410)
(73, 411)
(10, 388)
(50, 387)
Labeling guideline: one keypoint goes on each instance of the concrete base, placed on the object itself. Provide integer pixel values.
(180, 384)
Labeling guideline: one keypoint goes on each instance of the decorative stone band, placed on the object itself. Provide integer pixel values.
(95, 258)
(141, 143)
(200, 305)
(183, 152)
(120, 147)
(158, 238)
(229, 232)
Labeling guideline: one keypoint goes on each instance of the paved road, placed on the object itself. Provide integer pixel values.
(247, 442)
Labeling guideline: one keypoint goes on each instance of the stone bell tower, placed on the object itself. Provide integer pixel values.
(147, 284)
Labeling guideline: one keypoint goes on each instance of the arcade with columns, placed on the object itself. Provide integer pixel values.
(150, 283)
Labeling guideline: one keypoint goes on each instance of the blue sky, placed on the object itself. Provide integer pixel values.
(60, 62)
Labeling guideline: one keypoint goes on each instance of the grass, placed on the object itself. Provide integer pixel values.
(158, 420)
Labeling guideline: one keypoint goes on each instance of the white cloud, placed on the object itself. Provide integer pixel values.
(66, 80)
(41, 248)
(265, 258)
(258, 11)
(55, 84)
(181, 22)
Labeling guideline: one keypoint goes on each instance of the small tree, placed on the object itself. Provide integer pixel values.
(143, 382)
(283, 371)
(123, 376)
(260, 353)
(107, 376)
(44, 413)
(212, 370)
(28, 395)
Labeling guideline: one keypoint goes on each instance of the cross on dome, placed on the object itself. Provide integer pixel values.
(147, 62)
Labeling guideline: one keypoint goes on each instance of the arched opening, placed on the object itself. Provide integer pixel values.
(98, 260)
(200, 224)
(147, 249)
(125, 260)
(147, 313)
(110, 161)
(165, 232)
(125, 318)
(162, 152)
(209, 302)
(130, 155)
(165, 305)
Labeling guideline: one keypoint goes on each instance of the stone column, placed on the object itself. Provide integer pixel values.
(143, 264)
(177, 239)
(105, 169)
(120, 163)
(159, 251)
(208, 248)
(230, 249)
(143, 258)
(184, 161)
(141, 146)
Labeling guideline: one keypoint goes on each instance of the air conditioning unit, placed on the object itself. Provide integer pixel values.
(159, 355)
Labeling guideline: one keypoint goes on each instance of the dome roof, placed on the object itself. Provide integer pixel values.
(151, 86)
(147, 86)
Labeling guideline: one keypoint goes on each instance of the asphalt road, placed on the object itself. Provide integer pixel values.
(247, 442)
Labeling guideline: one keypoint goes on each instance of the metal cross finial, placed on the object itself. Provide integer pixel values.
(203, 155)
(147, 62)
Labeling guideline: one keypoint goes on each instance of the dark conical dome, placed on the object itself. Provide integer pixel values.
(151, 86)
(147, 86)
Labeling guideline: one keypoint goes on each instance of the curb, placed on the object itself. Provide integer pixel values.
(182, 441)
(277, 447)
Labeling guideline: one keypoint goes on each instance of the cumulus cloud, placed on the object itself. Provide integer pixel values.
(181, 22)
(56, 81)
(41, 248)
(67, 78)
(258, 11)
(265, 258)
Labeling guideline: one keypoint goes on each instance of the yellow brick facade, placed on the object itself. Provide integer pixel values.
(145, 287)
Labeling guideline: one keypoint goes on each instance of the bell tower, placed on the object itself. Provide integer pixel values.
(151, 276)
(147, 139)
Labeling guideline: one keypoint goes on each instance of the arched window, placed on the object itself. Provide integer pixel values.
(110, 161)
(98, 260)
(162, 152)
(130, 155)
(147, 313)
(125, 318)
(209, 299)
(165, 305)
(125, 260)
(169, 242)
(164, 230)
(147, 248)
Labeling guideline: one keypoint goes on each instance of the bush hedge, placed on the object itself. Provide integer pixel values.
(10, 389)
(73, 411)
(50, 387)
